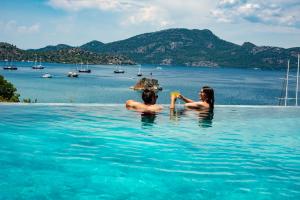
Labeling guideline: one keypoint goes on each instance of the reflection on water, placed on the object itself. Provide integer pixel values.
(148, 119)
(204, 116)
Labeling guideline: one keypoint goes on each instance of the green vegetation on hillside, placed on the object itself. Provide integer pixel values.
(199, 48)
(64, 55)
(8, 91)
(167, 47)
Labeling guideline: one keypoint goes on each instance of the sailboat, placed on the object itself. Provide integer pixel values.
(118, 70)
(9, 67)
(39, 66)
(73, 74)
(139, 73)
(85, 70)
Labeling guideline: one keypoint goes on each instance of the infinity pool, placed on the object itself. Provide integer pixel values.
(106, 152)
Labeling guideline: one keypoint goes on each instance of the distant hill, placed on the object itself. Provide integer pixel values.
(198, 48)
(180, 47)
(93, 46)
(52, 48)
(64, 55)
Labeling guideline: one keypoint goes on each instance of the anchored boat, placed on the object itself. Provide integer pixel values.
(39, 66)
(85, 70)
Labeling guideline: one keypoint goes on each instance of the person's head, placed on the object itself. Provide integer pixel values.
(207, 95)
(149, 97)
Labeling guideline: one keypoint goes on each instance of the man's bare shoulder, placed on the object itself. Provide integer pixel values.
(138, 106)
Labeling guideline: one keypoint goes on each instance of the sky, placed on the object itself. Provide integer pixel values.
(38, 23)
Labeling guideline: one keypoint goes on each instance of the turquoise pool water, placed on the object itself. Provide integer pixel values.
(107, 152)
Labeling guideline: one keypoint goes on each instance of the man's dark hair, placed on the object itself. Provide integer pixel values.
(149, 96)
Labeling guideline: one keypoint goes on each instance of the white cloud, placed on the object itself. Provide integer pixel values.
(149, 14)
(76, 5)
(156, 13)
(12, 27)
(270, 12)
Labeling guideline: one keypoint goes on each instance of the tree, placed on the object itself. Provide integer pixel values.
(8, 91)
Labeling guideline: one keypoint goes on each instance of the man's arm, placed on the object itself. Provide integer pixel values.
(131, 104)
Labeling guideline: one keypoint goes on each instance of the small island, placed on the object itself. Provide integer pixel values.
(147, 83)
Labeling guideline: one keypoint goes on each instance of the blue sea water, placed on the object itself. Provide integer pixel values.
(233, 86)
(106, 152)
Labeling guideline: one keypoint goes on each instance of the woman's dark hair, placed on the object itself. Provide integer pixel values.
(149, 96)
(209, 96)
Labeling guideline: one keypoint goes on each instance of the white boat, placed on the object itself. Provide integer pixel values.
(47, 75)
(73, 74)
(139, 73)
(118, 70)
(39, 66)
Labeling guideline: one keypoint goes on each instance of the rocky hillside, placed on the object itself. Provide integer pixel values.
(198, 48)
(61, 55)
(169, 47)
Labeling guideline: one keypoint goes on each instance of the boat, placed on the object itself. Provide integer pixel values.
(139, 73)
(85, 70)
(39, 66)
(119, 71)
(73, 74)
(47, 75)
(9, 67)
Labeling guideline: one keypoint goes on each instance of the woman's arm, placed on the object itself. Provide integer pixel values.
(173, 100)
(186, 100)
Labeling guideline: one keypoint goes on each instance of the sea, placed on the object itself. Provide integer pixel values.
(233, 86)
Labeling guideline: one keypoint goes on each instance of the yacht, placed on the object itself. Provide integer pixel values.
(73, 74)
(9, 66)
(47, 75)
(119, 71)
(85, 70)
(39, 66)
(139, 73)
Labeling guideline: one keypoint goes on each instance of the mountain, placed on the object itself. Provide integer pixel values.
(93, 46)
(177, 47)
(198, 48)
(52, 48)
(64, 55)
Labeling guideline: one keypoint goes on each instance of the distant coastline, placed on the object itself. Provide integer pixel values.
(167, 47)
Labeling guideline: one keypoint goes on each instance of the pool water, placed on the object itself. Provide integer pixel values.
(74, 151)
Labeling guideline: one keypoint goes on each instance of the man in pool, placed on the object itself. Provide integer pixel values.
(206, 97)
(149, 106)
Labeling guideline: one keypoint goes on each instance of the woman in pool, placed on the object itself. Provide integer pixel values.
(206, 96)
(149, 106)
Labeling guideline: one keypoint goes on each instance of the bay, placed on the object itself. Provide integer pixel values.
(233, 86)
